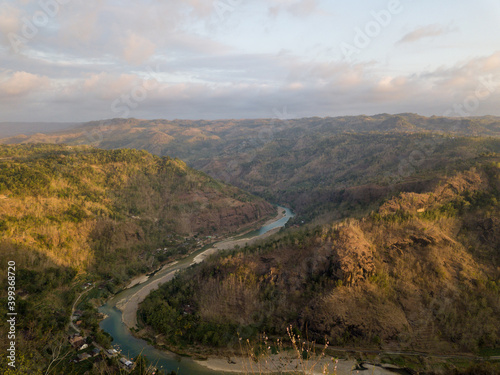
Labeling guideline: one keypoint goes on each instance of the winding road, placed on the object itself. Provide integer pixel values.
(129, 304)
(121, 310)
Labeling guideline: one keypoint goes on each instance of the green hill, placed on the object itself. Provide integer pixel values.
(69, 215)
(421, 273)
(318, 166)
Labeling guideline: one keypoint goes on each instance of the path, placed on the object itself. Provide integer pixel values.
(130, 305)
(73, 309)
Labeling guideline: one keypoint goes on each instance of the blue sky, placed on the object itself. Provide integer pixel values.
(76, 60)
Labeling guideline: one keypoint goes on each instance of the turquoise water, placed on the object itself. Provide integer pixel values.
(275, 224)
(131, 346)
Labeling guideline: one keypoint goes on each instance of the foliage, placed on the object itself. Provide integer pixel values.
(330, 167)
(69, 214)
(420, 280)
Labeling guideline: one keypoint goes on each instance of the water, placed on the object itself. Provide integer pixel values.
(131, 346)
(275, 224)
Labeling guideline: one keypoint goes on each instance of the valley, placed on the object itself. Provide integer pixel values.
(280, 187)
(392, 254)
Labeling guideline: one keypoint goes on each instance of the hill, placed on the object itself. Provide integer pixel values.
(420, 273)
(10, 129)
(318, 166)
(71, 215)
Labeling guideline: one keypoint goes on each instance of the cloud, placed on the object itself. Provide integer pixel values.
(423, 32)
(9, 19)
(138, 49)
(462, 77)
(107, 86)
(298, 8)
(226, 88)
(21, 84)
(95, 51)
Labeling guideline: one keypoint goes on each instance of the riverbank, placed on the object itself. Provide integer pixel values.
(230, 243)
(141, 279)
(130, 304)
(284, 363)
(120, 323)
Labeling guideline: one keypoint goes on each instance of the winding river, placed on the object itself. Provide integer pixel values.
(131, 346)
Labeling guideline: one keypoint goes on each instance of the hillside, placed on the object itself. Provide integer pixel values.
(421, 273)
(69, 215)
(77, 205)
(318, 166)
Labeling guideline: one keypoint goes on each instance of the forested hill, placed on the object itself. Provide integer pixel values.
(318, 166)
(421, 273)
(167, 136)
(70, 215)
(96, 209)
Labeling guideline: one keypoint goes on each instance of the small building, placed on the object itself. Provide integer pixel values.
(95, 352)
(82, 357)
(126, 362)
(76, 341)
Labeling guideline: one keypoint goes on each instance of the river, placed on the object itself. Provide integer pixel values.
(131, 346)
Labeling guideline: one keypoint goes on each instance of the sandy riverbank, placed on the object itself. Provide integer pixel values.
(280, 215)
(141, 279)
(231, 242)
(283, 363)
(129, 305)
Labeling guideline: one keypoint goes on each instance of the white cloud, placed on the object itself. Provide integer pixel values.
(138, 49)
(298, 8)
(10, 18)
(423, 32)
(95, 51)
(21, 83)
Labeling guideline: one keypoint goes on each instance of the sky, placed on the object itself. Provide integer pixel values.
(83, 60)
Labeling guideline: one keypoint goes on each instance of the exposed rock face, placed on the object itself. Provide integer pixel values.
(359, 311)
(353, 257)
(412, 202)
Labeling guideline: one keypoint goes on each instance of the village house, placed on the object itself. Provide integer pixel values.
(126, 362)
(78, 342)
(82, 357)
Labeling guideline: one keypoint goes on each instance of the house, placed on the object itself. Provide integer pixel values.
(126, 362)
(76, 341)
(82, 357)
(95, 352)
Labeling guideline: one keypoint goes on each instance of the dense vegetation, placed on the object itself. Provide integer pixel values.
(70, 215)
(95, 209)
(330, 167)
(420, 273)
